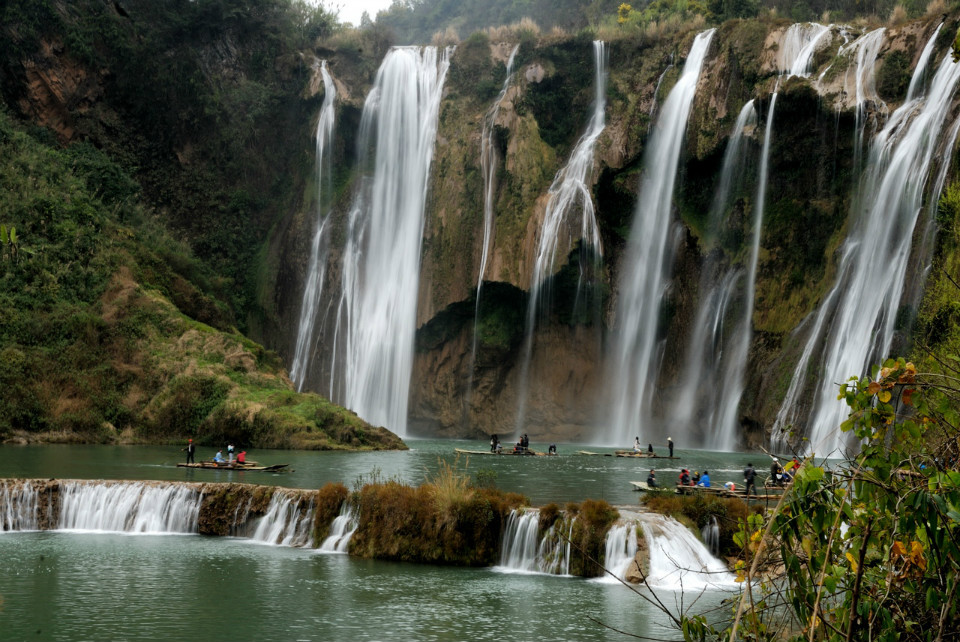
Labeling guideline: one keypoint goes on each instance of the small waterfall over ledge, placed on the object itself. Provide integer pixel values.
(523, 552)
(287, 521)
(678, 560)
(342, 529)
(19, 506)
(125, 507)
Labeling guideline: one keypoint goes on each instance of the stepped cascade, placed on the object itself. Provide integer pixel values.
(342, 529)
(569, 194)
(678, 560)
(643, 281)
(376, 314)
(855, 324)
(620, 550)
(319, 248)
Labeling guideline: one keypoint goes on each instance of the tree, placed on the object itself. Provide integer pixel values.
(870, 549)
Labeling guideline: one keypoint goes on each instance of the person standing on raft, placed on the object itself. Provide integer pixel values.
(670, 446)
(190, 450)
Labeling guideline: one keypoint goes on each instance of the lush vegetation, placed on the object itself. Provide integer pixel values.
(107, 324)
(869, 549)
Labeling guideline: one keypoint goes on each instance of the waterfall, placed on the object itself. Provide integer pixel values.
(376, 317)
(560, 230)
(522, 552)
(647, 261)
(856, 322)
(19, 506)
(800, 42)
(918, 75)
(316, 268)
(285, 523)
(678, 560)
(710, 534)
(129, 507)
(708, 361)
(342, 529)
(518, 551)
(656, 90)
(488, 166)
(620, 549)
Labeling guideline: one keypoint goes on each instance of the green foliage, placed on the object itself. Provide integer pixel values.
(870, 548)
(893, 78)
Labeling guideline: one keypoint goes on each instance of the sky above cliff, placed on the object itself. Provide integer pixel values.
(351, 10)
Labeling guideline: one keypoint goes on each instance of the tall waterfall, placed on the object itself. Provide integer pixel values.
(561, 229)
(376, 317)
(709, 359)
(488, 166)
(125, 507)
(678, 560)
(342, 529)
(855, 324)
(287, 522)
(648, 259)
(317, 267)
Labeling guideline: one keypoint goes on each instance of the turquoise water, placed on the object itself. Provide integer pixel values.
(567, 477)
(96, 586)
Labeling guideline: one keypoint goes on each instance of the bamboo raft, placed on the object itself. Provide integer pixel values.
(770, 492)
(275, 468)
(525, 453)
(626, 453)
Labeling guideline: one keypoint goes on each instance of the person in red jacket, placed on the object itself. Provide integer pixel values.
(242, 457)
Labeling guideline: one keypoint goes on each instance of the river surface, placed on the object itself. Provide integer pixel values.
(60, 585)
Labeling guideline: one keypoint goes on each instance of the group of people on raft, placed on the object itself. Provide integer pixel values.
(218, 458)
(779, 476)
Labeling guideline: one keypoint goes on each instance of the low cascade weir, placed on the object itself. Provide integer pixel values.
(125, 507)
(620, 551)
(678, 560)
(279, 516)
(634, 362)
(342, 529)
(373, 343)
(288, 522)
(19, 506)
(319, 248)
(522, 551)
(561, 229)
(855, 325)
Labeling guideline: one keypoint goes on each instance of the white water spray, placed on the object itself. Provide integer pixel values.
(125, 507)
(342, 529)
(286, 522)
(19, 506)
(855, 324)
(645, 274)
(376, 319)
(678, 560)
(317, 268)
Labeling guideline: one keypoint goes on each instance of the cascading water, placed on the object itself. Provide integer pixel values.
(488, 166)
(560, 230)
(125, 507)
(800, 42)
(678, 560)
(644, 281)
(342, 529)
(286, 522)
(317, 267)
(710, 534)
(916, 82)
(855, 324)
(521, 552)
(620, 549)
(19, 506)
(376, 317)
(708, 360)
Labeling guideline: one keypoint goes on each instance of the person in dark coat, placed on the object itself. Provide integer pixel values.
(652, 480)
(749, 478)
(670, 445)
(190, 450)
